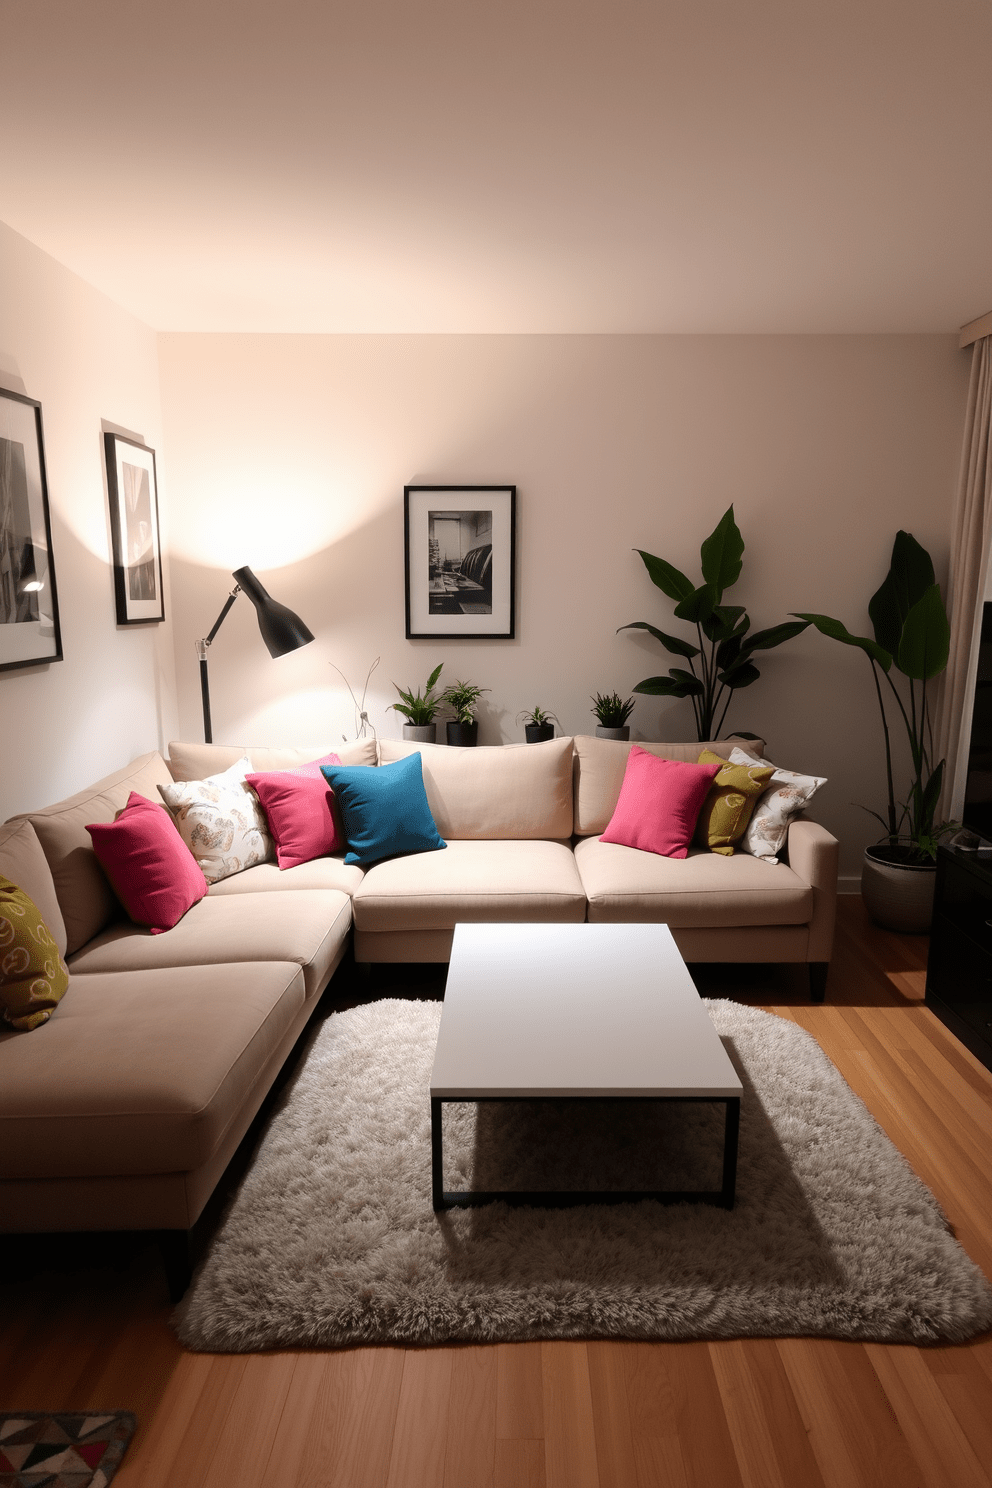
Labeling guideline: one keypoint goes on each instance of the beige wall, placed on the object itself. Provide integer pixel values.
(290, 453)
(113, 696)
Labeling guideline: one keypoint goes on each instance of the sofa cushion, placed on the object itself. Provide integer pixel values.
(221, 821)
(321, 873)
(600, 766)
(141, 1074)
(299, 808)
(384, 810)
(659, 803)
(22, 860)
(786, 798)
(153, 872)
(702, 890)
(728, 806)
(33, 977)
(307, 927)
(495, 791)
(473, 880)
(85, 897)
(195, 761)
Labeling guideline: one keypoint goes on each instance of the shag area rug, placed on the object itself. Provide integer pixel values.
(331, 1238)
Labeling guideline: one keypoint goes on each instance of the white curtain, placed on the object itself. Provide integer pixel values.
(971, 541)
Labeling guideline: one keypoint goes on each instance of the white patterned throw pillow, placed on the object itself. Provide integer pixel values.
(221, 821)
(785, 799)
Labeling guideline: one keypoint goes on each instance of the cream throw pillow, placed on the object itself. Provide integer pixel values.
(221, 821)
(785, 798)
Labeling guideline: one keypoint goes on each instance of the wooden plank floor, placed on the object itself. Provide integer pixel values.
(795, 1413)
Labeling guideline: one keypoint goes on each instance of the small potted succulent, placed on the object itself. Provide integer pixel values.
(419, 709)
(611, 715)
(462, 698)
(538, 725)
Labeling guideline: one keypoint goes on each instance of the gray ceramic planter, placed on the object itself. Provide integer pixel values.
(898, 896)
(612, 733)
(421, 733)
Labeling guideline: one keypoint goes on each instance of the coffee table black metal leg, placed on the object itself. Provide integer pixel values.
(437, 1159)
(730, 1135)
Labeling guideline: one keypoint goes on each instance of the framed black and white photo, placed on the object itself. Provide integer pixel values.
(460, 561)
(29, 608)
(133, 492)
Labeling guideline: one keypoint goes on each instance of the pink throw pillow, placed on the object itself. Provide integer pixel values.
(299, 806)
(151, 870)
(659, 804)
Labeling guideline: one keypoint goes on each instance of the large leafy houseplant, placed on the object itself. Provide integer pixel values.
(722, 662)
(912, 637)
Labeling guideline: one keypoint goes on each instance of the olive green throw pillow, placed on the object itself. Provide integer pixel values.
(732, 797)
(33, 976)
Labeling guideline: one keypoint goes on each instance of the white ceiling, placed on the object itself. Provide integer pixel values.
(510, 166)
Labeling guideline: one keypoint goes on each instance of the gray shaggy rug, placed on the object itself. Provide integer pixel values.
(331, 1238)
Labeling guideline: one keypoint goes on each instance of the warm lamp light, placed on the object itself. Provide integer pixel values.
(281, 629)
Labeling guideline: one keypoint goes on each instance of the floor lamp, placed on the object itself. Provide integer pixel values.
(281, 629)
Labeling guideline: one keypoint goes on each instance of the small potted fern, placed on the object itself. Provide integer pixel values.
(611, 715)
(419, 709)
(463, 698)
(538, 725)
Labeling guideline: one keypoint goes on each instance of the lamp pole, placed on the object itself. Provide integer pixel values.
(201, 651)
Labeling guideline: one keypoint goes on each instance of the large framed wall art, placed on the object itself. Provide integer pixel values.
(133, 491)
(460, 561)
(29, 607)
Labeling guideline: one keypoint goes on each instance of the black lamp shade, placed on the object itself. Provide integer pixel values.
(282, 630)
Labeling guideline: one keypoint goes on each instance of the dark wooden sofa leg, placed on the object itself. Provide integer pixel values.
(818, 980)
(175, 1248)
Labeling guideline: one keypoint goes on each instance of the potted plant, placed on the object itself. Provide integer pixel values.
(612, 713)
(419, 710)
(462, 698)
(912, 637)
(538, 725)
(726, 645)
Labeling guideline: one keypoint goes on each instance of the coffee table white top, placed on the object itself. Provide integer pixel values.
(575, 1010)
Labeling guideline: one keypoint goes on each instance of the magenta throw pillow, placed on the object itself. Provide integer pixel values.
(151, 870)
(299, 807)
(659, 803)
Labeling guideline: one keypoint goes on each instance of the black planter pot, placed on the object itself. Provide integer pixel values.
(537, 733)
(463, 734)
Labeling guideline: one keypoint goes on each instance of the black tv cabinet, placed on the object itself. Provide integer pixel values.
(959, 970)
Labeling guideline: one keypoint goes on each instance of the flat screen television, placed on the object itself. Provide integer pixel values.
(977, 815)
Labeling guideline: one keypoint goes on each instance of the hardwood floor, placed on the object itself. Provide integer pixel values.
(794, 1413)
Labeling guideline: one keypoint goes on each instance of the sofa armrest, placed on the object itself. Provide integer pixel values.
(813, 855)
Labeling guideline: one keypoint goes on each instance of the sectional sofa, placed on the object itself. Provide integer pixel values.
(123, 1110)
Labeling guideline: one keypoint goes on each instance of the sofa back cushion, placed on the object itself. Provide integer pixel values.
(198, 761)
(23, 861)
(86, 900)
(600, 766)
(504, 792)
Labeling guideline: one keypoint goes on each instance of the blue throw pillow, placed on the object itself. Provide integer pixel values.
(383, 809)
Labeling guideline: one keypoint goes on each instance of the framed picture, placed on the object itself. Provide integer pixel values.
(29, 607)
(133, 493)
(460, 561)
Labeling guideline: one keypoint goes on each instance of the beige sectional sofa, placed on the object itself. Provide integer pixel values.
(122, 1111)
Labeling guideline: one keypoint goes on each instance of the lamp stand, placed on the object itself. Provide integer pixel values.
(201, 651)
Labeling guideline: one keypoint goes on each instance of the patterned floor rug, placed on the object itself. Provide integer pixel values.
(62, 1449)
(331, 1238)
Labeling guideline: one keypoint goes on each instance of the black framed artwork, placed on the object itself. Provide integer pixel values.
(133, 490)
(460, 561)
(29, 607)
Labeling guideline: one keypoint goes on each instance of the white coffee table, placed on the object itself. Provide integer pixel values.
(558, 1012)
